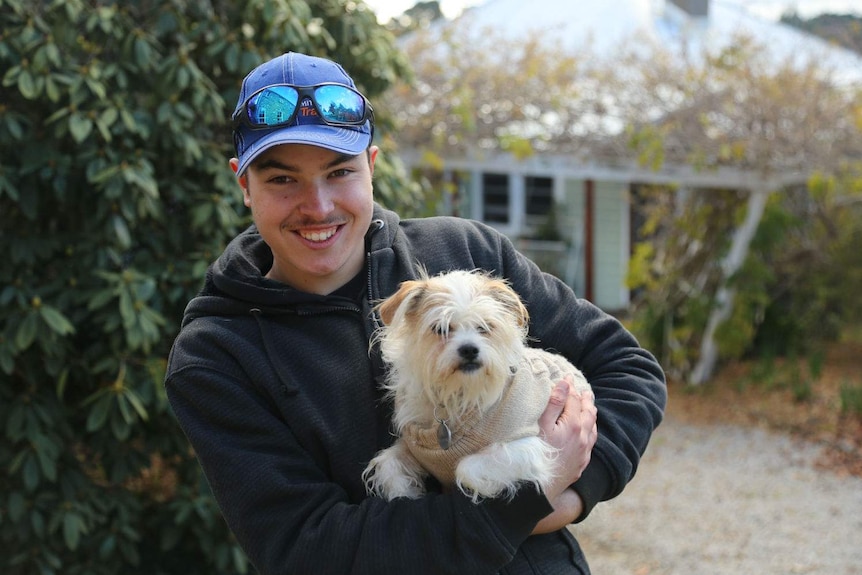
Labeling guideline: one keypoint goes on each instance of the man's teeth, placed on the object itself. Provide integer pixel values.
(319, 236)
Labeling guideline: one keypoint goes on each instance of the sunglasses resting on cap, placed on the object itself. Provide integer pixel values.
(302, 100)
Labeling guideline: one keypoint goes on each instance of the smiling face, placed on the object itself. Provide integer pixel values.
(313, 207)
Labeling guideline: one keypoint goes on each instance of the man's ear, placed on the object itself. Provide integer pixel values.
(372, 157)
(242, 181)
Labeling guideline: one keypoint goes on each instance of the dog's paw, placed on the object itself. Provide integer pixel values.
(478, 480)
(499, 469)
(390, 476)
(395, 487)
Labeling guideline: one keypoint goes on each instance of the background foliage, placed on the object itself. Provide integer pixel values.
(479, 91)
(114, 195)
(794, 290)
(795, 293)
(719, 273)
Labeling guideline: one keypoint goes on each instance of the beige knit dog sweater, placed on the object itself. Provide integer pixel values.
(515, 416)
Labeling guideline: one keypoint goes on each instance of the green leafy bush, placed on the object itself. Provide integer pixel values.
(114, 195)
(795, 293)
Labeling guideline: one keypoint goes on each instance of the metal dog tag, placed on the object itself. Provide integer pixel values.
(444, 435)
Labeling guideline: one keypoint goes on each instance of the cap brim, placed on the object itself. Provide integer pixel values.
(341, 140)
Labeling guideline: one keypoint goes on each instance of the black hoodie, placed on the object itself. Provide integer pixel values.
(277, 391)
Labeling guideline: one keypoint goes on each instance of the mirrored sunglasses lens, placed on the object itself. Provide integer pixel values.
(273, 106)
(339, 104)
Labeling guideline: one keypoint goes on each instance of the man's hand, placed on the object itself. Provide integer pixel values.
(568, 424)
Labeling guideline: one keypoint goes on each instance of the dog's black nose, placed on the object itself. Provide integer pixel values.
(468, 352)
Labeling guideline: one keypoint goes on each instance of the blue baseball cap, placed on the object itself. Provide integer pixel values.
(297, 70)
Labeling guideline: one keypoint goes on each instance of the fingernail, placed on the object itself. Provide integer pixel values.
(561, 390)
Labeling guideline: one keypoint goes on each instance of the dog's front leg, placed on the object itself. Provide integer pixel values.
(499, 468)
(394, 472)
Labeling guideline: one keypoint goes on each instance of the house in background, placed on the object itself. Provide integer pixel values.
(574, 216)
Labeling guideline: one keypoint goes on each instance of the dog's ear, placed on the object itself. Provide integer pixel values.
(501, 291)
(391, 304)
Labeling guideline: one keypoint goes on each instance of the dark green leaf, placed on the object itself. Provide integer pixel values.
(62, 379)
(80, 127)
(53, 561)
(73, 527)
(136, 403)
(56, 320)
(142, 52)
(47, 463)
(99, 412)
(106, 549)
(26, 331)
(30, 473)
(240, 561)
(37, 522)
(15, 128)
(109, 117)
(7, 362)
(124, 238)
(100, 299)
(125, 408)
(127, 309)
(119, 427)
(52, 90)
(7, 295)
(97, 88)
(61, 113)
(10, 78)
(27, 85)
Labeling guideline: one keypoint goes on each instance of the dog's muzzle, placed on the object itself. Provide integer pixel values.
(469, 355)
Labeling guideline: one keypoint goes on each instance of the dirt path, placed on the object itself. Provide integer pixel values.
(719, 500)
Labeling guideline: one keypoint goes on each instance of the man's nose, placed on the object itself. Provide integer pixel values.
(316, 199)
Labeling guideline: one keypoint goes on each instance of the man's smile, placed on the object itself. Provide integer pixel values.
(317, 235)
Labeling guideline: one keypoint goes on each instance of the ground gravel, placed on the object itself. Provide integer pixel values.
(718, 500)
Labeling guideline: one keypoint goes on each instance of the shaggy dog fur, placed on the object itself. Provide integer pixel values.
(467, 390)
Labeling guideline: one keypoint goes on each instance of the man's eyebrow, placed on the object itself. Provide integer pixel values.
(273, 163)
(341, 159)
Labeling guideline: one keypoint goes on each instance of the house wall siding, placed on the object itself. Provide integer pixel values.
(572, 225)
(611, 245)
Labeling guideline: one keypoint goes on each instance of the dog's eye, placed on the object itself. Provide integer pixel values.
(483, 329)
(438, 329)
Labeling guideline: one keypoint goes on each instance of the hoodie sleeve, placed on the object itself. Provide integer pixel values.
(628, 382)
(282, 504)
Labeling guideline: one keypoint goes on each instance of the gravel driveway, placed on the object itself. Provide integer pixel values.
(718, 500)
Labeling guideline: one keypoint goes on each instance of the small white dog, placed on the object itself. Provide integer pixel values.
(467, 390)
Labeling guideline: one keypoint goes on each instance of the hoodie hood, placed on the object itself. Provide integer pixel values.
(236, 284)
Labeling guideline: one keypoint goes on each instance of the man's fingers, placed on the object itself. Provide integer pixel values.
(556, 405)
(569, 425)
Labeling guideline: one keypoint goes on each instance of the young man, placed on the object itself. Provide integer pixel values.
(274, 382)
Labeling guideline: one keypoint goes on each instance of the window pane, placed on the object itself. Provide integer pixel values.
(495, 194)
(540, 194)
